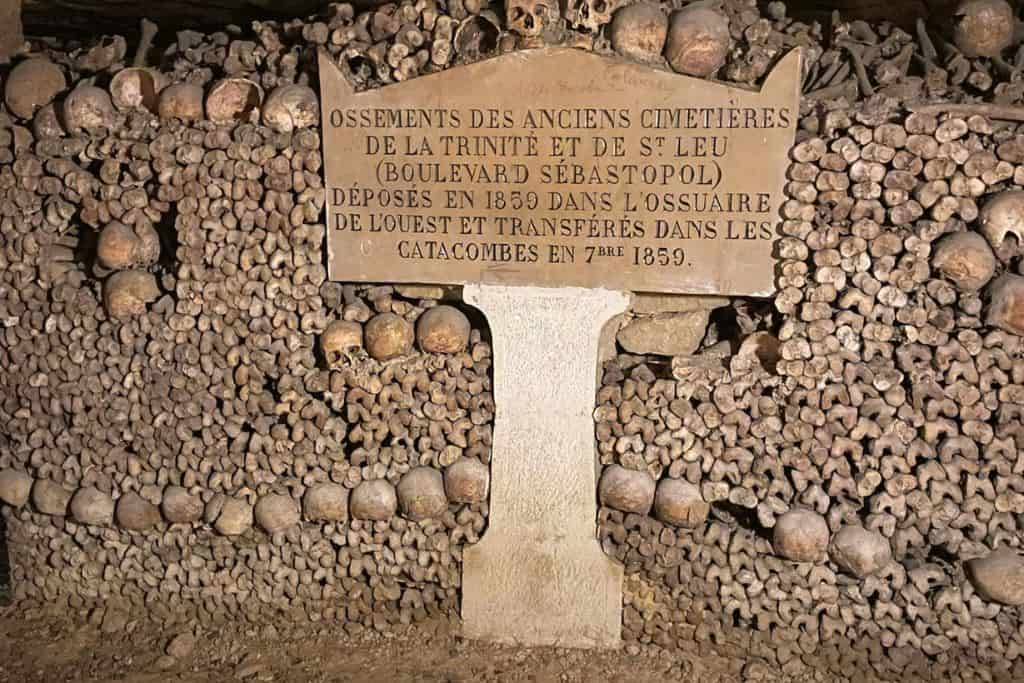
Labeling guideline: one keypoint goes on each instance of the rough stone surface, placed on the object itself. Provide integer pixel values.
(135, 513)
(91, 506)
(679, 503)
(181, 645)
(15, 487)
(467, 480)
(373, 499)
(649, 304)
(538, 576)
(180, 507)
(114, 621)
(859, 551)
(165, 663)
(669, 334)
(325, 503)
(626, 490)
(421, 494)
(999, 576)
(420, 291)
(50, 498)
(275, 513)
(801, 536)
(235, 517)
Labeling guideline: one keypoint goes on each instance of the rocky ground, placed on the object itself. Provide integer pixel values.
(53, 651)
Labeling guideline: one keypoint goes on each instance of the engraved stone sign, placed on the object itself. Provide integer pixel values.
(548, 182)
(558, 167)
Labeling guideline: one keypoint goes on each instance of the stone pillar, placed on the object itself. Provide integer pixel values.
(538, 576)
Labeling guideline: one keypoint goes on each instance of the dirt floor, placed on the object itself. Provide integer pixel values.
(54, 651)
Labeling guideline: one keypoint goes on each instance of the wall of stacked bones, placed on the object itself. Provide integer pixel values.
(197, 424)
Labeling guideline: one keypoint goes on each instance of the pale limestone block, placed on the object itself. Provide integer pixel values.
(538, 576)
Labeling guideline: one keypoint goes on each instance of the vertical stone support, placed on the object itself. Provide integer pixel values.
(538, 576)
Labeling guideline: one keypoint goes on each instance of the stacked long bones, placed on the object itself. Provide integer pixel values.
(196, 420)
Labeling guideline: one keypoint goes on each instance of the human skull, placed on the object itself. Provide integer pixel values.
(233, 99)
(529, 17)
(88, 108)
(477, 36)
(1006, 304)
(965, 259)
(983, 28)
(340, 341)
(590, 14)
(1003, 215)
(290, 107)
(137, 87)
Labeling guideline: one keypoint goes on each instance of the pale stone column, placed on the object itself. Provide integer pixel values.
(538, 576)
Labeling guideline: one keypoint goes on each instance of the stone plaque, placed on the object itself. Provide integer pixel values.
(556, 168)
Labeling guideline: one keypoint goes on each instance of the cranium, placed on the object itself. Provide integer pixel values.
(340, 341)
(1001, 216)
(590, 14)
(529, 17)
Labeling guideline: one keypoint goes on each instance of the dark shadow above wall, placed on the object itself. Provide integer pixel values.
(96, 16)
(902, 12)
(122, 16)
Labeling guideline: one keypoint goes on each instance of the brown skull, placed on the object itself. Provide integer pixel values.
(529, 17)
(590, 14)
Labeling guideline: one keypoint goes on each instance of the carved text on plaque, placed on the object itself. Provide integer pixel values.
(558, 167)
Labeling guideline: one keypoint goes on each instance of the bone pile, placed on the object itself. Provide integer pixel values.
(837, 486)
(197, 425)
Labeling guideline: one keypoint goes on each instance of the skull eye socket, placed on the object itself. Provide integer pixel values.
(540, 10)
(600, 6)
(517, 13)
(337, 355)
